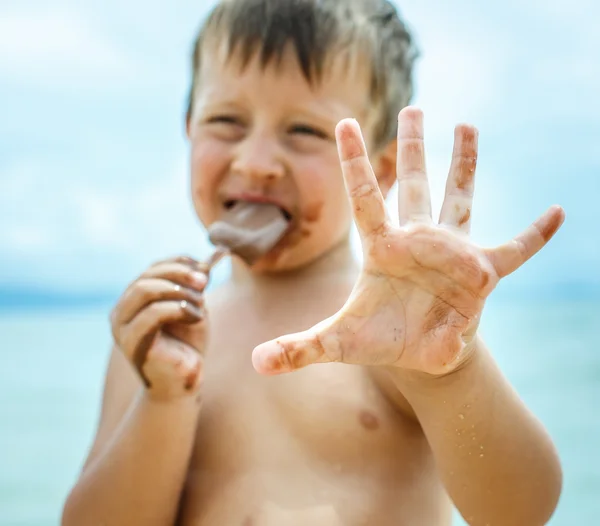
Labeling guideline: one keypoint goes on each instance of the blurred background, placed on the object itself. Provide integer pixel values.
(93, 188)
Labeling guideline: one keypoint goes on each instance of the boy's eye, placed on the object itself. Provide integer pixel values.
(225, 119)
(308, 130)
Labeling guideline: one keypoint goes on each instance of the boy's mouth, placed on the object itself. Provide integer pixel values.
(250, 228)
(230, 203)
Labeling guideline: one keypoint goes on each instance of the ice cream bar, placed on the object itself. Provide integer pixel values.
(249, 230)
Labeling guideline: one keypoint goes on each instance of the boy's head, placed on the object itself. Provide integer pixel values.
(271, 79)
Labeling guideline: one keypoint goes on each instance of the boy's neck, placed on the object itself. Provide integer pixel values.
(338, 262)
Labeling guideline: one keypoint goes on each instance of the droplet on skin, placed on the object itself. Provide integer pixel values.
(389, 246)
(481, 456)
(461, 416)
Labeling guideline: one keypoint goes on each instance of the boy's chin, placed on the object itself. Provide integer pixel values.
(291, 259)
(276, 263)
(281, 262)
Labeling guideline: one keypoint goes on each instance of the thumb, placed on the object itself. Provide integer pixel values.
(318, 344)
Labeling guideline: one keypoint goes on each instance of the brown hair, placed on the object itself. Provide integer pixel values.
(318, 30)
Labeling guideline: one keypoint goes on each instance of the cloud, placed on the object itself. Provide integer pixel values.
(59, 48)
(72, 233)
(92, 200)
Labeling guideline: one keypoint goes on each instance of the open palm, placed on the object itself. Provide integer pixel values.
(419, 297)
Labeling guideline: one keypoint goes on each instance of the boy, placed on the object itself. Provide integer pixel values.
(394, 405)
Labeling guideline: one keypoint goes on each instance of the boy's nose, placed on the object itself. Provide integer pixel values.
(259, 160)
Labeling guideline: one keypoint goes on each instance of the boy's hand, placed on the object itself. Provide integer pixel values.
(418, 300)
(159, 324)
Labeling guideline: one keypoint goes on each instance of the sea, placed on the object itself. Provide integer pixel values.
(53, 360)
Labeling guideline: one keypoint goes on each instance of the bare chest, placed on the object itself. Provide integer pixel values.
(323, 441)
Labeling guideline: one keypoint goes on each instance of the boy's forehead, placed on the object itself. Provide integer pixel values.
(345, 79)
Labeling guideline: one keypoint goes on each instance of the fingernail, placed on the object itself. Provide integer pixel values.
(199, 279)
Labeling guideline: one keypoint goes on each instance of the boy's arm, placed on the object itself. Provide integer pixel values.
(416, 308)
(137, 466)
(495, 458)
(138, 463)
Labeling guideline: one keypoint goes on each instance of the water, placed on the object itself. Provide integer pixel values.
(53, 363)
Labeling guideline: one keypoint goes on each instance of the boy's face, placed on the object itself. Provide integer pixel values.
(266, 134)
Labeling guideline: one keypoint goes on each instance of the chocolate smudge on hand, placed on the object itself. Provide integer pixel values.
(465, 217)
(141, 353)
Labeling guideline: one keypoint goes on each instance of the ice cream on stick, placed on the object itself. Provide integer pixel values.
(249, 230)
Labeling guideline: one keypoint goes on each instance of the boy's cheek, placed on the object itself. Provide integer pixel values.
(204, 207)
(324, 195)
(207, 164)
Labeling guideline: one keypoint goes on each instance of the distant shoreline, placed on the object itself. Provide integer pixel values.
(31, 298)
(28, 298)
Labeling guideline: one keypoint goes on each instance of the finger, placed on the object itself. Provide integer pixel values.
(179, 273)
(144, 291)
(296, 351)
(137, 337)
(414, 201)
(174, 358)
(368, 206)
(184, 260)
(509, 257)
(456, 210)
(192, 334)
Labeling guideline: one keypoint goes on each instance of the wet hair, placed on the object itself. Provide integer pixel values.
(371, 31)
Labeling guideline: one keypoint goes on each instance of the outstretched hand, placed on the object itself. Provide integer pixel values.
(418, 300)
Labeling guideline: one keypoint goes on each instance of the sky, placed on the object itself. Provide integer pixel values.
(94, 161)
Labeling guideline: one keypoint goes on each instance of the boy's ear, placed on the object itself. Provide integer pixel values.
(384, 167)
